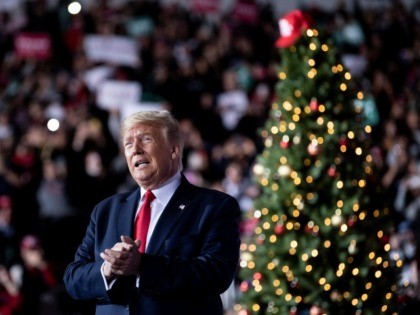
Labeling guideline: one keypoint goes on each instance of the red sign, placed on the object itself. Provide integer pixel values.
(246, 11)
(205, 6)
(33, 45)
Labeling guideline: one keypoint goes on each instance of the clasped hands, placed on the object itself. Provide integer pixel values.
(122, 259)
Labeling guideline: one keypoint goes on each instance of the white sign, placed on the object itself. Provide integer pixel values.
(119, 50)
(9, 5)
(132, 108)
(94, 77)
(113, 94)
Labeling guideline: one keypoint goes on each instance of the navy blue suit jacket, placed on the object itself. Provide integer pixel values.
(191, 258)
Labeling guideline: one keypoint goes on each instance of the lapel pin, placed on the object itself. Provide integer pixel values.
(181, 206)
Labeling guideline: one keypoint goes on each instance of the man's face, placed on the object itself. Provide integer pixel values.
(150, 158)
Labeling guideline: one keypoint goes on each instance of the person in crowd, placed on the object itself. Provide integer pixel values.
(176, 254)
(237, 184)
(233, 102)
(10, 297)
(407, 201)
(8, 242)
(56, 214)
(34, 276)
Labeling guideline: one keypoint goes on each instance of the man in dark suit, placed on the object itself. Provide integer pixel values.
(191, 245)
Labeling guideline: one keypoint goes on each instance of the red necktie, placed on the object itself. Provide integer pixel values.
(142, 221)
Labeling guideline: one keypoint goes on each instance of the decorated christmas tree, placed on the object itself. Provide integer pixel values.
(320, 242)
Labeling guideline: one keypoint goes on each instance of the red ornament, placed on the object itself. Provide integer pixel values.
(332, 171)
(293, 311)
(351, 221)
(257, 276)
(244, 286)
(310, 230)
(313, 149)
(316, 310)
(279, 229)
(260, 240)
(343, 141)
(313, 104)
(284, 144)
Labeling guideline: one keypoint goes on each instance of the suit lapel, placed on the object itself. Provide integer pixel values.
(126, 214)
(174, 210)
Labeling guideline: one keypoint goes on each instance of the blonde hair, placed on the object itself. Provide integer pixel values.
(163, 119)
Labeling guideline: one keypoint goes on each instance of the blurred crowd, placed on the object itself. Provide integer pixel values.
(216, 73)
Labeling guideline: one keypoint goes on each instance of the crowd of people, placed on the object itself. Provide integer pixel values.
(216, 73)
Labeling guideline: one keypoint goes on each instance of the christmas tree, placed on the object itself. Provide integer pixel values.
(320, 243)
